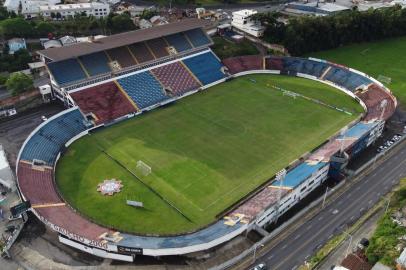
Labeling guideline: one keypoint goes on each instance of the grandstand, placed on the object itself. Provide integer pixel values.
(143, 89)
(47, 142)
(151, 74)
(105, 102)
(176, 77)
(206, 67)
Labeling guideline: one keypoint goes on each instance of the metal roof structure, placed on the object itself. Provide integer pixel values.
(118, 40)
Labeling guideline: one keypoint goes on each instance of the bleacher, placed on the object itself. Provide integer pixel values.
(67, 71)
(105, 101)
(95, 63)
(373, 97)
(143, 88)
(122, 55)
(206, 67)
(313, 68)
(141, 52)
(243, 63)
(50, 138)
(346, 78)
(274, 63)
(38, 184)
(176, 78)
(158, 47)
(197, 37)
(179, 42)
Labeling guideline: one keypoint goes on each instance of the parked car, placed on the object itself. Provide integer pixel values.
(261, 266)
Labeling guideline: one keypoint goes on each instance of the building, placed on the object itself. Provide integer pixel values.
(68, 40)
(28, 8)
(6, 174)
(16, 44)
(97, 10)
(242, 21)
(313, 8)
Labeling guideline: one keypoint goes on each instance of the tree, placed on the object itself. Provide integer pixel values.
(3, 79)
(19, 83)
(44, 28)
(122, 22)
(16, 27)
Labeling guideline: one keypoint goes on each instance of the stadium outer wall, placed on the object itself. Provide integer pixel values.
(127, 253)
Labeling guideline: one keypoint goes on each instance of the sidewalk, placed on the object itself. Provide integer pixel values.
(365, 231)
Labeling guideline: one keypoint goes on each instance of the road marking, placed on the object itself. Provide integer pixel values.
(352, 217)
(309, 227)
(285, 246)
(358, 188)
(330, 236)
(370, 201)
(362, 209)
(320, 218)
(296, 237)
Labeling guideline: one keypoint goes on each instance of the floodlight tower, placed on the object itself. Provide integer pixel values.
(280, 176)
(342, 133)
(383, 105)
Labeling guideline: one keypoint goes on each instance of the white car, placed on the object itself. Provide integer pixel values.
(261, 266)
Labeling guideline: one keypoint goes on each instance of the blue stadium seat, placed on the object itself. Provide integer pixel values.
(66, 71)
(95, 63)
(206, 67)
(48, 141)
(179, 42)
(197, 37)
(143, 88)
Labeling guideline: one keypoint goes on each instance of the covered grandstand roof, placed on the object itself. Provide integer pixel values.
(122, 39)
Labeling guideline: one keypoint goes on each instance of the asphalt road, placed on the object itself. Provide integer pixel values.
(292, 251)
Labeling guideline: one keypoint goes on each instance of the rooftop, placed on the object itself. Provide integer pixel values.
(118, 40)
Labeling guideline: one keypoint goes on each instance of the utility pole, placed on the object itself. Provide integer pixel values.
(255, 250)
(349, 245)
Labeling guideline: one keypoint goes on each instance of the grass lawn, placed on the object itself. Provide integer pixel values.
(385, 57)
(206, 151)
(225, 48)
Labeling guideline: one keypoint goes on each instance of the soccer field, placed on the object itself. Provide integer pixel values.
(206, 152)
(385, 57)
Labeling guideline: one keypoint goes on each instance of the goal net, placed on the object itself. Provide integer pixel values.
(143, 168)
(384, 79)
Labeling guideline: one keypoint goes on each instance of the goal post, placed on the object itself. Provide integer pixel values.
(143, 168)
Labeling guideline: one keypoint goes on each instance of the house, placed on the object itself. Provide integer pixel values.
(158, 20)
(242, 20)
(16, 44)
(98, 10)
(68, 40)
(53, 43)
(143, 24)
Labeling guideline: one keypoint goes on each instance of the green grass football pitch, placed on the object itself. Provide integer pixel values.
(385, 57)
(206, 152)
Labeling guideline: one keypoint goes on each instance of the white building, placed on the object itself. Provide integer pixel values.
(29, 8)
(242, 21)
(97, 10)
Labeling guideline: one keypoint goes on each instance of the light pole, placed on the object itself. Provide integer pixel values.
(387, 203)
(349, 245)
(325, 197)
(255, 250)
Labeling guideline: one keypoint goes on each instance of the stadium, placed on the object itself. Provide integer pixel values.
(164, 149)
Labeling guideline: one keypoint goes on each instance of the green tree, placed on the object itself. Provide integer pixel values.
(3, 79)
(16, 27)
(44, 28)
(122, 22)
(19, 83)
